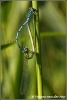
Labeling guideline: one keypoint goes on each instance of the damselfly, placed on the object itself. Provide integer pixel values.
(28, 53)
(31, 11)
(25, 75)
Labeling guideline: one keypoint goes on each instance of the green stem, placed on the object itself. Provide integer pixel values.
(38, 53)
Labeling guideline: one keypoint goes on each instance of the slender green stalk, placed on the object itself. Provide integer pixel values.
(37, 45)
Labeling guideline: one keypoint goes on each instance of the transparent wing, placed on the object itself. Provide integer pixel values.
(21, 36)
(25, 79)
(9, 33)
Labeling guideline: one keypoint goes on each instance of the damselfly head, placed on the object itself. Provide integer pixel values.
(33, 10)
(26, 50)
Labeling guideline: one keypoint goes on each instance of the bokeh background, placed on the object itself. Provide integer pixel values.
(52, 26)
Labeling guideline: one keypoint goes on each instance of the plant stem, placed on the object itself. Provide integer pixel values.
(38, 52)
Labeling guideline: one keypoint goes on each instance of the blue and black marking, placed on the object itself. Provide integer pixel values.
(28, 17)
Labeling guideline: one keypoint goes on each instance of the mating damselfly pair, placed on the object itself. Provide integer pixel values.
(28, 53)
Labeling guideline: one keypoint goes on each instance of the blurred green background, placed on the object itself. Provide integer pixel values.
(52, 26)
